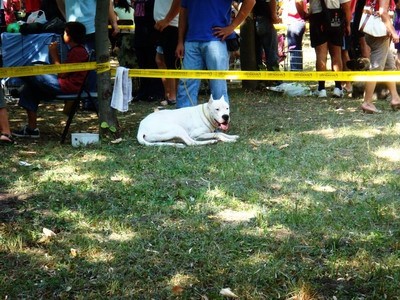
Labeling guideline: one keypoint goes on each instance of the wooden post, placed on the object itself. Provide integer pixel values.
(248, 51)
(104, 88)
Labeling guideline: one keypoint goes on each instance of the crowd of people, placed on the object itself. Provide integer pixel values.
(193, 35)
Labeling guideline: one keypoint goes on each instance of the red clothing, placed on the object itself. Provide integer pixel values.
(71, 82)
(391, 4)
(32, 5)
(10, 7)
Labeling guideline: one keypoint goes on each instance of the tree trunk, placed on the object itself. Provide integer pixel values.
(107, 114)
(248, 51)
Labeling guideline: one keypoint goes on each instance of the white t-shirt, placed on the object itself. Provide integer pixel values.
(81, 11)
(315, 5)
(123, 14)
(161, 8)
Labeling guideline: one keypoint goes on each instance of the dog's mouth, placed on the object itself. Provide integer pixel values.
(223, 126)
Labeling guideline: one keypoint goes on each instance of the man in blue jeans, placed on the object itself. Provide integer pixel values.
(204, 27)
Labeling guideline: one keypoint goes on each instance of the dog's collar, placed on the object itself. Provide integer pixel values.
(213, 123)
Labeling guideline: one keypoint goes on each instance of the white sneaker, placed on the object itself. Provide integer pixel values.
(321, 93)
(337, 93)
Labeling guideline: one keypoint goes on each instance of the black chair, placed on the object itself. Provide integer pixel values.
(83, 94)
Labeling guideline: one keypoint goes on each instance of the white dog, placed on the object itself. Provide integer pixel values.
(194, 125)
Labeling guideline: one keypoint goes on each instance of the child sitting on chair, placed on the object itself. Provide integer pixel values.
(47, 86)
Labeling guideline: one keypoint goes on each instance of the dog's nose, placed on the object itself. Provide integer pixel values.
(225, 118)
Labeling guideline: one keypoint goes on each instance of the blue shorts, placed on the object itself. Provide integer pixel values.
(346, 42)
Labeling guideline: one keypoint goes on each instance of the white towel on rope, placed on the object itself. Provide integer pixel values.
(122, 93)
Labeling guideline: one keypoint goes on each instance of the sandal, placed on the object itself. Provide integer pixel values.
(168, 102)
(6, 139)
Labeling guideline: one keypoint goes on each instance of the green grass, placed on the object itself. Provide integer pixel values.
(304, 206)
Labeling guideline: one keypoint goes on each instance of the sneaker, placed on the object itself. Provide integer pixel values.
(321, 93)
(337, 93)
(27, 132)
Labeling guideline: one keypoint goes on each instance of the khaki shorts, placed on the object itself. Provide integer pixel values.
(381, 56)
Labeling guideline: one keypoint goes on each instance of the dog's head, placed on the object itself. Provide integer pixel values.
(358, 64)
(219, 112)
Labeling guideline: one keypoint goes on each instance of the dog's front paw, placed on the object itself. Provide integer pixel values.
(229, 138)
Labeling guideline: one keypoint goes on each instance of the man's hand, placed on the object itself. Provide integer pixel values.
(161, 25)
(53, 52)
(180, 50)
(223, 32)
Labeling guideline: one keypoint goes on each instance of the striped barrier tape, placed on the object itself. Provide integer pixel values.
(52, 69)
(266, 75)
(393, 76)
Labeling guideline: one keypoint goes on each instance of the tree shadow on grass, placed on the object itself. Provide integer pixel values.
(146, 220)
(11, 206)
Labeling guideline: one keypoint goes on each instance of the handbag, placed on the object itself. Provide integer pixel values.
(371, 23)
(37, 17)
(233, 44)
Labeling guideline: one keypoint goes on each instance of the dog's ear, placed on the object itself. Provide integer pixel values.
(212, 99)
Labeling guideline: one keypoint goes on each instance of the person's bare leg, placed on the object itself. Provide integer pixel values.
(337, 64)
(321, 53)
(395, 101)
(4, 124)
(161, 65)
(336, 57)
(32, 119)
(172, 84)
(345, 58)
(368, 106)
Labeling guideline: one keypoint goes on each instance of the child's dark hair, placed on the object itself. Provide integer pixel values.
(122, 4)
(77, 31)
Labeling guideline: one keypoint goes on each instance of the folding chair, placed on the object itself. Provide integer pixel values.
(282, 50)
(84, 93)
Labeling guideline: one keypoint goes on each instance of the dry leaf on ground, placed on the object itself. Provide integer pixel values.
(48, 232)
(228, 293)
(177, 290)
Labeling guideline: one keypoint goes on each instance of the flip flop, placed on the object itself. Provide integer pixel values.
(6, 139)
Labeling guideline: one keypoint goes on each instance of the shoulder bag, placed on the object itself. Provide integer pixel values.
(371, 22)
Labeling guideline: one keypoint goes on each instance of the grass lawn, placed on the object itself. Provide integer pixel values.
(304, 206)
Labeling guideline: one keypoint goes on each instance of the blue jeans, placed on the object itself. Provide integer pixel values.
(39, 87)
(268, 42)
(211, 55)
(295, 32)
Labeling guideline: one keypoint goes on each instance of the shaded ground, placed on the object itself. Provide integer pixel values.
(51, 121)
(9, 206)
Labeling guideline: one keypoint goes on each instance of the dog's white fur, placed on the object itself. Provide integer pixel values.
(194, 125)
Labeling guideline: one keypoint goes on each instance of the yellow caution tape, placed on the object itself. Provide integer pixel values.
(45, 69)
(393, 76)
(266, 75)
(124, 27)
(103, 67)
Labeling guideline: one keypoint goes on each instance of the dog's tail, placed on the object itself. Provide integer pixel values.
(141, 137)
